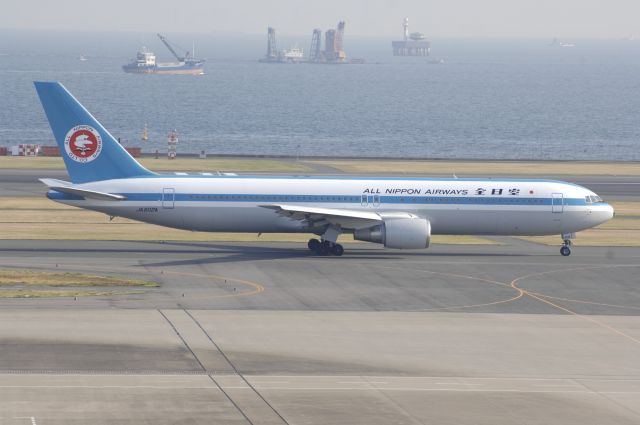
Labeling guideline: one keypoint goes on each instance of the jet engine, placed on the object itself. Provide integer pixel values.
(400, 233)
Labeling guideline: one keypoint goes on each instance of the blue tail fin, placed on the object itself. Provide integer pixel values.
(90, 152)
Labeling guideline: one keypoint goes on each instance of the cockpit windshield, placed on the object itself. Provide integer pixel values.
(593, 199)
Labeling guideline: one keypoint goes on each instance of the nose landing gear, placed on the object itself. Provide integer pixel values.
(565, 250)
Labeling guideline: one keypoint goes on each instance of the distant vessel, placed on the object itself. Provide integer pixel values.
(557, 43)
(145, 63)
(292, 55)
(83, 58)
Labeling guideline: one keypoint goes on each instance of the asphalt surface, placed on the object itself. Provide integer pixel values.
(267, 333)
(25, 183)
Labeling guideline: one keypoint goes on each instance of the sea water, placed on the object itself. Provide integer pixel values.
(488, 99)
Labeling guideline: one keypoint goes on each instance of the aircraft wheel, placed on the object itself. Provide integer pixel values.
(313, 244)
(337, 250)
(565, 251)
(324, 248)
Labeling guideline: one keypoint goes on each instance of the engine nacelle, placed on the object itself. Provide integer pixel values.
(400, 233)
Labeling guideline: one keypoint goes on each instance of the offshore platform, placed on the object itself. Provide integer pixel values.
(333, 48)
(333, 52)
(291, 55)
(413, 44)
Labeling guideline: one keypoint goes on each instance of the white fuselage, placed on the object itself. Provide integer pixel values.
(452, 206)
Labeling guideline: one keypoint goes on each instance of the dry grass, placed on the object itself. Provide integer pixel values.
(626, 209)
(11, 277)
(225, 165)
(17, 283)
(366, 166)
(621, 223)
(23, 162)
(594, 237)
(623, 230)
(485, 167)
(180, 164)
(37, 293)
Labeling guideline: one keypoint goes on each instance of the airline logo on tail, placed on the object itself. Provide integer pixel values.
(83, 143)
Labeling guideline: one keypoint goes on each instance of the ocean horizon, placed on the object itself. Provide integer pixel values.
(488, 99)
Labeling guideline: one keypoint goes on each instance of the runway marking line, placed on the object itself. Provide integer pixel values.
(460, 307)
(583, 301)
(318, 388)
(541, 298)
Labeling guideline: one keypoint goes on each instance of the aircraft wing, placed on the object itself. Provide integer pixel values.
(346, 219)
(67, 187)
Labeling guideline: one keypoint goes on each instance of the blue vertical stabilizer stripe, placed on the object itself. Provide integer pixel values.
(64, 112)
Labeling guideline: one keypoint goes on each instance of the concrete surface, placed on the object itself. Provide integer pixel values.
(267, 334)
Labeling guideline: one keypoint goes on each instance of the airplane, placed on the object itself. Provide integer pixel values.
(396, 212)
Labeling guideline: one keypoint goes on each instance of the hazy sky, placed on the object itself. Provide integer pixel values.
(450, 18)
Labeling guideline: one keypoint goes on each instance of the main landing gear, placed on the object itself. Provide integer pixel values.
(565, 250)
(325, 247)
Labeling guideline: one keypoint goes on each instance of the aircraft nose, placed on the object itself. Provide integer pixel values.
(611, 212)
(605, 213)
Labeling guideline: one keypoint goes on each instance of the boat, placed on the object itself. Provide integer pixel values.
(145, 63)
(294, 54)
(558, 43)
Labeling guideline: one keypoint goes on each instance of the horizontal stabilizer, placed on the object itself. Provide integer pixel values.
(66, 187)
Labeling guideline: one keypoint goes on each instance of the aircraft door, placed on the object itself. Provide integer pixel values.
(557, 203)
(168, 197)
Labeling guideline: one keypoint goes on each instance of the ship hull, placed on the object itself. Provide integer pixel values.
(168, 69)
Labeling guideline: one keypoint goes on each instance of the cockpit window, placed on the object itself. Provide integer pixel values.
(592, 199)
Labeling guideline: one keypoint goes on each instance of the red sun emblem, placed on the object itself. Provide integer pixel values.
(83, 143)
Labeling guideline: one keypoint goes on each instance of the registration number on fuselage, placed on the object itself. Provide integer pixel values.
(147, 210)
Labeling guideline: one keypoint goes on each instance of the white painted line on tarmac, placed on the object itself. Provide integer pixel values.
(458, 383)
(259, 383)
(31, 418)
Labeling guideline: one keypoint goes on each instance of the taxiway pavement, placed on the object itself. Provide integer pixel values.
(267, 333)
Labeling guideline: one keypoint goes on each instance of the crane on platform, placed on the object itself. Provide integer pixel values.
(314, 51)
(184, 58)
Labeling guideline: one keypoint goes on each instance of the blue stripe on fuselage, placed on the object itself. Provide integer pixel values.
(335, 199)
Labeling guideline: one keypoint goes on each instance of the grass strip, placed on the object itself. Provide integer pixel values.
(488, 168)
(34, 293)
(17, 277)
